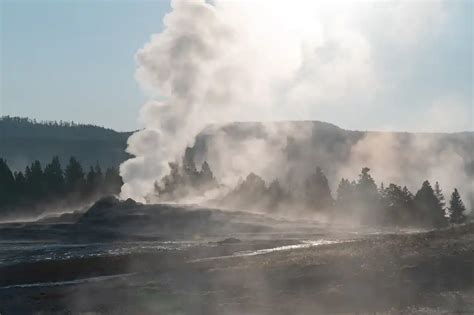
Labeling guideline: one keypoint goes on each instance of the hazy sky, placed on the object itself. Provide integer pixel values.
(74, 60)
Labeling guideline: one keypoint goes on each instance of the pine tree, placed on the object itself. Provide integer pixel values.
(54, 177)
(366, 184)
(367, 197)
(382, 189)
(318, 193)
(206, 173)
(457, 208)
(168, 185)
(398, 205)
(113, 181)
(345, 194)
(28, 192)
(205, 180)
(7, 183)
(429, 209)
(249, 193)
(20, 186)
(91, 179)
(99, 177)
(189, 166)
(276, 194)
(439, 194)
(74, 176)
(35, 181)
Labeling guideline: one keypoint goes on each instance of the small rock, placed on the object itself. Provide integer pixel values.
(230, 240)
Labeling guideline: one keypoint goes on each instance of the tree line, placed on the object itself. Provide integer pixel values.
(28, 121)
(357, 200)
(37, 188)
(396, 205)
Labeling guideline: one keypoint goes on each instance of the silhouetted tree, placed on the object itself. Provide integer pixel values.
(456, 208)
(185, 180)
(90, 184)
(430, 211)
(345, 194)
(99, 178)
(205, 179)
(54, 178)
(366, 187)
(439, 194)
(20, 186)
(206, 173)
(74, 176)
(399, 206)
(170, 183)
(36, 186)
(276, 194)
(382, 192)
(189, 167)
(113, 181)
(317, 191)
(250, 193)
(35, 190)
(7, 182)
(367, 198)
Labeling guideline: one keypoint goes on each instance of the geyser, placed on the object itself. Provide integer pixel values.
(224, 61)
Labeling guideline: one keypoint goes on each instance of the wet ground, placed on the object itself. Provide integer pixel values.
(308, 270)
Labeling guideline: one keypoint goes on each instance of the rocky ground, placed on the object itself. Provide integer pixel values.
(420, 273)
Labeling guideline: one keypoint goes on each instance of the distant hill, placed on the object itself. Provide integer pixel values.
(275, 149)
(288, 150)
(23, 140)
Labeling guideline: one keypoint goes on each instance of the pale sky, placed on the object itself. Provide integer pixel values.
(74, 60)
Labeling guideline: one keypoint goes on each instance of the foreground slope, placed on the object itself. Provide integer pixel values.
(420, 273)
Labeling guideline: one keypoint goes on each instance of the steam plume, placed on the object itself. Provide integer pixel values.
(260, 60)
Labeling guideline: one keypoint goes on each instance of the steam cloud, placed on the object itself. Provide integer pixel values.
(266, 60)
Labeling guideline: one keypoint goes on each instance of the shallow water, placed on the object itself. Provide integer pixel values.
(20, 252)
(70, 282)
(304, 244)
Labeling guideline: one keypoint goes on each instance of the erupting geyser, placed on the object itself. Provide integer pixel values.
(224, 61)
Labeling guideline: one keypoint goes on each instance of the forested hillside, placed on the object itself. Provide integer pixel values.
(289, 151)
(23, 141)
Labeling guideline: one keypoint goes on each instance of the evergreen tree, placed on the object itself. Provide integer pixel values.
(367, 196)
(345, 194)
(382, 189)
(170, 183)
(429, 209)
(205, 179)
(20, 186)
(439, 194)
(99, 177)
(54, 177)
(7, 183)
(189, 167)
(456, 208)
(74, 176)
(276, 194)
(113, 181)
(91, 180)
(366, 186)
(318, 193)
(249, 193)
(398, 205)
(206, 173)
(35, 182)
(27, 185)
(344, 190)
